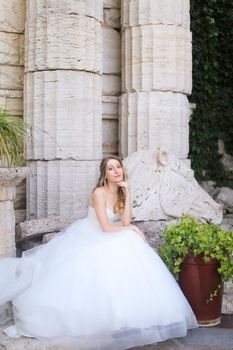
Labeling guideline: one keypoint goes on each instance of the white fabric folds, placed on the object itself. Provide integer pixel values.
(92, 290)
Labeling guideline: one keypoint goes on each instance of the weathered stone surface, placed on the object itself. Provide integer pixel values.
(154, 119)
(10, 47)
(20, 200)
(11, 77)
(60, 187)
(59, 41)
(112, 18)
(110, 136)
(157, 57)
(43, 226)
(12, 101)
(163, 188)
(12, 176)
(136, 13)
(12, 15)
(9, 177)
(227, 223)
(111, 51)
(110, 125)
(112, 4)
(110, 107)
(225, 198)
(20, 214)
(88, 8)
(64, 109)
(111, 85)
(227, 307)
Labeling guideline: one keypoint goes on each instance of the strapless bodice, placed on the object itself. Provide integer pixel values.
(91, 216)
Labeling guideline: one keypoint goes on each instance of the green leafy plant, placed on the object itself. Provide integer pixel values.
(190, 236)
(212, 88)
(13, 133)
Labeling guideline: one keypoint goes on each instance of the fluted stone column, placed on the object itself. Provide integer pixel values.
(156, 76)
(12, 18)
(63, 68)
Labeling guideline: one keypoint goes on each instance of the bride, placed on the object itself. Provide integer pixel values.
(97, 284)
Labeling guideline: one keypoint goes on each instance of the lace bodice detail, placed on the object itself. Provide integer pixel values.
(91, 216)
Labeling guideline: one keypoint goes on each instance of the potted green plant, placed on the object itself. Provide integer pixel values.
(201, 257)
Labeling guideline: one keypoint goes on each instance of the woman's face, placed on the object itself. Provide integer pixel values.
(114, 171)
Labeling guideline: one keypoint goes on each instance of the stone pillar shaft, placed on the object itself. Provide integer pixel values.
(63, 70)
(156, 76)
(12, 19)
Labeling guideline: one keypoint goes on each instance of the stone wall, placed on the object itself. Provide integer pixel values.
(111, 88)
(12, 25)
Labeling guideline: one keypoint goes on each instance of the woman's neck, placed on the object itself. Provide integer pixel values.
(112, 188)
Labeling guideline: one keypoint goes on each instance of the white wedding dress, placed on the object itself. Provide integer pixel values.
(94, 290)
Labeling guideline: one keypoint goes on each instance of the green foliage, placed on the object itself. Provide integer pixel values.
(13, 133)
(190, 236)
(212, 28)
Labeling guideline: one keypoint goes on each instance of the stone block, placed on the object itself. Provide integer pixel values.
(7, 231)
(227, 306)
(20, 215)
(20, 196)
(111, 51)
(21, 49)
(225, 198)
(12, 16)
(136, 13)
(89, 8)
(59, 41)
(10, 48)
(112, 18)
(11, 77)
(110, 107)
(157, 57)
(110, 136)
(32, 228)
(12, 101)
(64, 110)
(60, 188)
(154, 119)
(111, 85)
(114, 4)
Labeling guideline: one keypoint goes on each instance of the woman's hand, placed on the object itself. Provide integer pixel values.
(124, 186)
(138, 231)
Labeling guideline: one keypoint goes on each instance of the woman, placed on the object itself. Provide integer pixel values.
(98, 284)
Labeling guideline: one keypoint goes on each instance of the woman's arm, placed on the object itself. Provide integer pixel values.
(99, 204)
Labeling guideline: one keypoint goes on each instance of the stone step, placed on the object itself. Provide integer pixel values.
(208, 338)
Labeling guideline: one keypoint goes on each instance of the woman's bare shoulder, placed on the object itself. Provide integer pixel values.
(99, 191)
(97, 195)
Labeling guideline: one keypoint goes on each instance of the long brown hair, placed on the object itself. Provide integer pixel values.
(102, 181)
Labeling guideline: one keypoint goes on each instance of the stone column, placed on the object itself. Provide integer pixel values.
(12, 23)
(156, 76)
(111, 75)
(9, 178)
(63, 68)
(12, 19)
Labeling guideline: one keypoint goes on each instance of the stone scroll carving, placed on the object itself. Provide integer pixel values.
(164, 188)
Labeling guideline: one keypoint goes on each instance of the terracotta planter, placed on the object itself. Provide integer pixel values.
(197, 280)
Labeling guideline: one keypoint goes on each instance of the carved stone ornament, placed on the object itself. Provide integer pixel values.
(164, 188)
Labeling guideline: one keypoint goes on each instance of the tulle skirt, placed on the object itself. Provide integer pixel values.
(93, 290)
